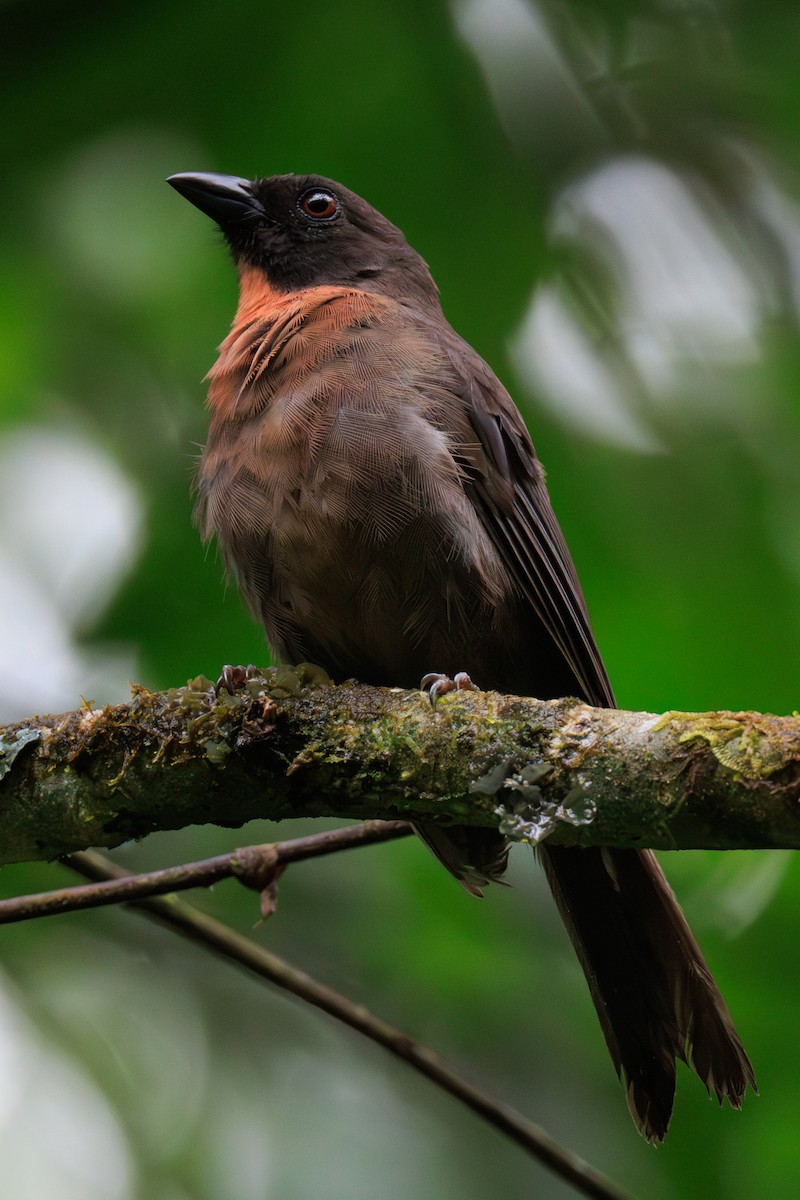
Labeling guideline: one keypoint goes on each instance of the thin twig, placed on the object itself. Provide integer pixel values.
(247, 864)
(211, 933)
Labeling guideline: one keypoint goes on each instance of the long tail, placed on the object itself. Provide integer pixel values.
(653, 991)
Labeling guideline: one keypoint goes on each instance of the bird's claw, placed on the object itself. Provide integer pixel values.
(436, 684)
(233, 678)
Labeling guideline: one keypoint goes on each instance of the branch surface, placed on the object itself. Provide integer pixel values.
(290, 745)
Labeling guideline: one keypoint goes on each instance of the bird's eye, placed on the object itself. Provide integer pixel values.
(318, 204)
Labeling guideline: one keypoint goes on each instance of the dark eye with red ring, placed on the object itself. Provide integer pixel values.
(318, 204)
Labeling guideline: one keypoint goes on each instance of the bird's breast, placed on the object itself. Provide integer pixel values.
(334, 485)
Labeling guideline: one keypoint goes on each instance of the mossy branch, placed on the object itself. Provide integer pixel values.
(288, 745)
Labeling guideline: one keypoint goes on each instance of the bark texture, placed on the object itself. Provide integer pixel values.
(291, 745)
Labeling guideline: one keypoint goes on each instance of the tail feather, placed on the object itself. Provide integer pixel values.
(654, 994)
(475, 856)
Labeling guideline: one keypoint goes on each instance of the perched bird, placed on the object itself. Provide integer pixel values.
(378, 498)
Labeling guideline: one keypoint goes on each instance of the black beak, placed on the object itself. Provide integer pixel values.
(224, 198)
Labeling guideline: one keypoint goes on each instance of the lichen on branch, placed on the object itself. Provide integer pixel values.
(290, 744)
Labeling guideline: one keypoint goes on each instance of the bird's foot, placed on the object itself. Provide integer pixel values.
(231, 679)
(277, 681)
(437, 684)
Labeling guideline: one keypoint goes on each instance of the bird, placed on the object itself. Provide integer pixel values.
(378, 499)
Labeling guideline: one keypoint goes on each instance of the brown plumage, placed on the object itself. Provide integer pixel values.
(378, 498)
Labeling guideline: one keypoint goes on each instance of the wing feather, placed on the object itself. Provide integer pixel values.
(522, 524)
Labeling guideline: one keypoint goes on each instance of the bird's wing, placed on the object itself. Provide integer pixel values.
(507, 486)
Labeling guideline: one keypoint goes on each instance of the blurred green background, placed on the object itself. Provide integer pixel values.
(607, 194)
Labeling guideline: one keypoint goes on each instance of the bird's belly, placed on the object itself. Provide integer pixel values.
(357, 546)
(370, 590)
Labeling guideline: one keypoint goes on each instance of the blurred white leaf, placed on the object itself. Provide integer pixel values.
(59, 1137)
(70, 529)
